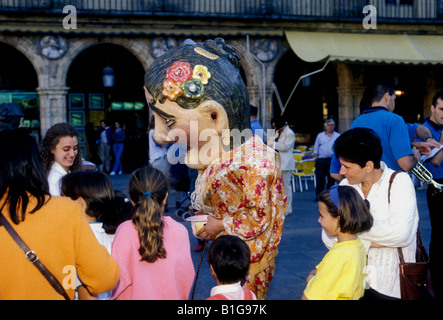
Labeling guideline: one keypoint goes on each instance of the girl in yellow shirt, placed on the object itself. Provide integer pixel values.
(341, 273)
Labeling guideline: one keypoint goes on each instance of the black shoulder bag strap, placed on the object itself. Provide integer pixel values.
(32, 257)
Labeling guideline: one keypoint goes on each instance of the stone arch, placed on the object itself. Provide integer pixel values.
(135, 46)
(28, 48)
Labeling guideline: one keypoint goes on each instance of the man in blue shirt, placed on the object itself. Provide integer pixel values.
(391, 128)
(434, 198)
(255, 125)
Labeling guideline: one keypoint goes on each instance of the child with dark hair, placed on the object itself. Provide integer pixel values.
(94, 192)
(228, 259)
(341, 273)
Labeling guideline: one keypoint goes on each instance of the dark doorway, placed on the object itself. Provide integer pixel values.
(18, 83)
(124, 101)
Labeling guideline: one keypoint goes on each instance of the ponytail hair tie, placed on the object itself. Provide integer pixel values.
(147, 194)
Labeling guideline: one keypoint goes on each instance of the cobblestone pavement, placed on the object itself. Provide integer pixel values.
(300, 250)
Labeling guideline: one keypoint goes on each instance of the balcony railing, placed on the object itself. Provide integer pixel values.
(392, 10)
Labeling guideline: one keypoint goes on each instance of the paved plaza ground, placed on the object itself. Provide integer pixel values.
(300, 250)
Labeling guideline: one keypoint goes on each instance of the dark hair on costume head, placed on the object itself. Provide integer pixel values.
(97, 191)
(51, 140)
(359, 145)
(148, 213)
(22, 175)
(225, 86)
(353, 212)
(229, 257)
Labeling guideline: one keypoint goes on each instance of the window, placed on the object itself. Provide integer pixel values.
(402, 2)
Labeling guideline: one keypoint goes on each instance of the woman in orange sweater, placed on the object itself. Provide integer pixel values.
(53, 227)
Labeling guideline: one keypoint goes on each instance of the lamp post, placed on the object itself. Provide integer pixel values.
(108, 77)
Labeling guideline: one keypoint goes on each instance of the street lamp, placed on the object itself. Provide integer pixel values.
(108, 77)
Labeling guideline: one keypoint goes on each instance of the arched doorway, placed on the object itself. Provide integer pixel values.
(90, 101)
(18, 83)
(314, 100)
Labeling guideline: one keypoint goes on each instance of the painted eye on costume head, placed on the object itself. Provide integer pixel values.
(169, 122)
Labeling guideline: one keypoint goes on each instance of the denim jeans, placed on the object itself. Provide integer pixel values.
(118, 151)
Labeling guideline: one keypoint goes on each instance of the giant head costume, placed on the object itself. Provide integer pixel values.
(196, 93)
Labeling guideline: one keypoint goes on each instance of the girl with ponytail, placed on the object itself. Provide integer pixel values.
(153, 251)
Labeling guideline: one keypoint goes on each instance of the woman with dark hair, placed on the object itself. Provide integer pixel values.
(60, 153)
(53, 227)
(153, 251)
(199, 99)
(392, 205)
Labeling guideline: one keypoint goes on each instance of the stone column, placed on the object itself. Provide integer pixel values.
(350, 91)
(348, 105)
(52, 107)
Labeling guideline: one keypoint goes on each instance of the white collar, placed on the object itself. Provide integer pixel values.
(58, 168)
(97, 226)
(226, 288)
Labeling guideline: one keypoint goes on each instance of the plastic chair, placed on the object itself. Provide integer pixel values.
(301, 148)
(298, 156)
(306, 173)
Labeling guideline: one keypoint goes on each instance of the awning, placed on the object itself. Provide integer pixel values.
(387, 48)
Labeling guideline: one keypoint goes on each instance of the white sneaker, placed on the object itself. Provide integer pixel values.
(112, 173)
(121, 172)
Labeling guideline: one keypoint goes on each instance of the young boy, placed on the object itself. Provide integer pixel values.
(228, 259)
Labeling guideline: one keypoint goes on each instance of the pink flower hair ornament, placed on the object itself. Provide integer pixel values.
(182, 79)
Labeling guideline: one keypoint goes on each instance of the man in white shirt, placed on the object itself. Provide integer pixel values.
(283, 141)
(323, 154)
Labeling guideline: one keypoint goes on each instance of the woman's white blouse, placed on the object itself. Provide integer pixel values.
(54, 179)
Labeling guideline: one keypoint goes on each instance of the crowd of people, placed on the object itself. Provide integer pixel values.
(124, 247)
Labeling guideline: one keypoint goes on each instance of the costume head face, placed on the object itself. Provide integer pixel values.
(197, 88)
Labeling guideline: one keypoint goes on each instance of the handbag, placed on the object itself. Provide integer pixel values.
(415, 278)
(33, 258)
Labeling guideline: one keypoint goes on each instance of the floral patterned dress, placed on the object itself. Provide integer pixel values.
(244, 188)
